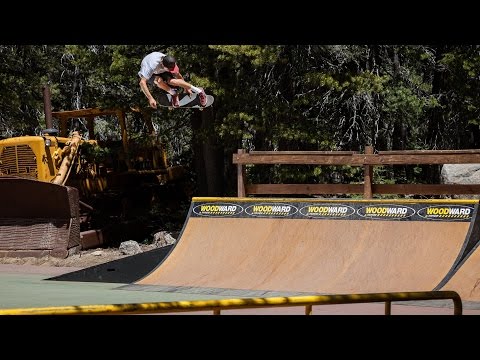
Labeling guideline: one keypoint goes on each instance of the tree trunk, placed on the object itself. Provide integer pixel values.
(436, 120)
(208, 156)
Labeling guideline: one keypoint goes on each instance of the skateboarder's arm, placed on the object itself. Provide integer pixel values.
(146, 91)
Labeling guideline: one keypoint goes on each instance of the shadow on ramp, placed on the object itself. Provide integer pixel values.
(126, 270)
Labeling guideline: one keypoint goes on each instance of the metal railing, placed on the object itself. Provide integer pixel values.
(229, 304)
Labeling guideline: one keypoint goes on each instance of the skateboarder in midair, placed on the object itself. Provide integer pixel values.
(162, 70)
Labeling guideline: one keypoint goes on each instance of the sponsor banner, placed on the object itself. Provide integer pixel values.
(327, 211)
(445, 212)
(217, 209)
(271, 210)
(386, 211)
(334, 210)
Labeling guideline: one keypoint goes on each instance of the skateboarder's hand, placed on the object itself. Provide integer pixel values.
(153, 103)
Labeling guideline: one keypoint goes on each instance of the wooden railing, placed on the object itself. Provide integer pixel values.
(368, 160)
(250, 303)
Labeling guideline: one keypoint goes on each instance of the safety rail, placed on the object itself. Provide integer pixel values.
(368, 160)
(249, 303)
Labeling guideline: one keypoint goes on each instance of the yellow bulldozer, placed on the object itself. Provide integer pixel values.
(55, 186)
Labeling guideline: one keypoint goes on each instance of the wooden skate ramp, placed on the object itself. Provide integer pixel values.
(317, 246)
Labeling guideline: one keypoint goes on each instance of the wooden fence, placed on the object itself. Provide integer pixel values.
(367, 160)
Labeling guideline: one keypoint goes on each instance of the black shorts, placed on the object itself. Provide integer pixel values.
(166, 76)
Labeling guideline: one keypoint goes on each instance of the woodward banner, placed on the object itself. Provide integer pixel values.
(338, 210)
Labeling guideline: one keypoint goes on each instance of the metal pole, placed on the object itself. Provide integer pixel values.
(47, 105)
(388, 307)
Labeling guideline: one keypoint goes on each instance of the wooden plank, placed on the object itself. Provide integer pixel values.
(428, 152)
(334, 153)
(318, 159)
(401, 189)
(84, 112)
(427, 189)
(405, 159)
(304, 189)
(358, 159)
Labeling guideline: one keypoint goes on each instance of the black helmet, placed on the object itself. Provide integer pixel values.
(169, 62)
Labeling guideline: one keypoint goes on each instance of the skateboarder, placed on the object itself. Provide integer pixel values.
(162, 70)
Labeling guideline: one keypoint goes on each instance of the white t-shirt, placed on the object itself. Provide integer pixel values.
(152, 64)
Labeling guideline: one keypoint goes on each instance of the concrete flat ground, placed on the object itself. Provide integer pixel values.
(24, 286)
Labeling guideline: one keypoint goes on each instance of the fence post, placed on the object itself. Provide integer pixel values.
(368, 175)
(240, 177)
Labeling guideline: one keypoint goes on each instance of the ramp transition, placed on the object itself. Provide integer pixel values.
(319, 246)
(126, 270)
(465, 278)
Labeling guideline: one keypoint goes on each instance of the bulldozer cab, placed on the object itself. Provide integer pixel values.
(113, 154)
(155, 154)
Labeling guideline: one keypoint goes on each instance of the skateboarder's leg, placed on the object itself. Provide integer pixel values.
(170, 81)
(187, 86)
(162, 84)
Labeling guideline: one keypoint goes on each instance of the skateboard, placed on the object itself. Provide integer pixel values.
(164, 99)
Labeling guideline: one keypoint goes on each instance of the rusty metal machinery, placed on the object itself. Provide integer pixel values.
(60, 162)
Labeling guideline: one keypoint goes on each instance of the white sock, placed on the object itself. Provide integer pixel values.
(195, 89)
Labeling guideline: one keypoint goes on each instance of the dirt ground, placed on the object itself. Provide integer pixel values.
(95, 256)
(83, 259)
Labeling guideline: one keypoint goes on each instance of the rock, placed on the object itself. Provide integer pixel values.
(163, 238)
(461, 174)
(74, 250)
(130, 247)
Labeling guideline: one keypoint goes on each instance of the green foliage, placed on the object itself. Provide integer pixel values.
(256, 54)
(24, 70)
(93, 153)
(267, 97)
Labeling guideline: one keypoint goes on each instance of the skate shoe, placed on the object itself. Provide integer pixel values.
(202, 97)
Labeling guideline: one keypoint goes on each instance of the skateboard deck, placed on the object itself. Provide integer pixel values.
(184, 100)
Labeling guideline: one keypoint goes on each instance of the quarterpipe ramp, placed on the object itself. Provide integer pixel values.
(319, 246)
